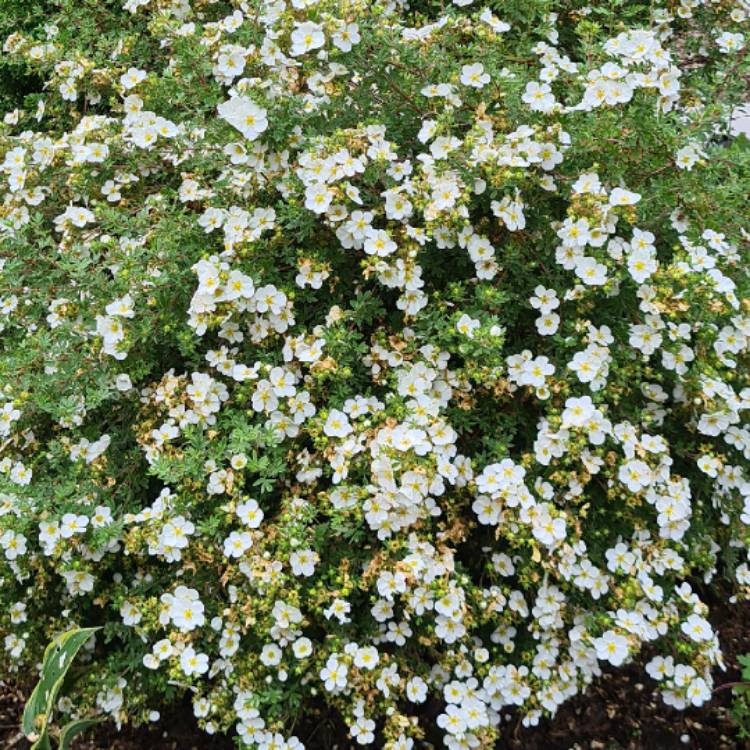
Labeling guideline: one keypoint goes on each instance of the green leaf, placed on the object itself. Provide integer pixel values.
(43, 742)
(70, 730)
(58, 656)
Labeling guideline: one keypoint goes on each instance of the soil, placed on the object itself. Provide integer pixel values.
(619, 712)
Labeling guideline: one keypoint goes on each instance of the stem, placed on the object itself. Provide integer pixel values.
(726, 685)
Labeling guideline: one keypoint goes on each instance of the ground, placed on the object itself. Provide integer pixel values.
(619, 712)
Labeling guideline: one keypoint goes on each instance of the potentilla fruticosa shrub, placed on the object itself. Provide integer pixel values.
(375, 363)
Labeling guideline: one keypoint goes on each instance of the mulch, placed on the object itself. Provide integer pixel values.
(621, 711)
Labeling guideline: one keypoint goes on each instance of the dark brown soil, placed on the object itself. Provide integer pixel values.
(619, 712)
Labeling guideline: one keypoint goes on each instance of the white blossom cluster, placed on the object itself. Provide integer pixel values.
(505, 479)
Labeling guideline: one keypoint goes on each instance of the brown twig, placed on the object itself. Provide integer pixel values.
(727, 685)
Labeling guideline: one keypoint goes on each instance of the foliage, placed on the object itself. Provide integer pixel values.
(16, 79)
(37, 715)
(382, 363)
(741, 699)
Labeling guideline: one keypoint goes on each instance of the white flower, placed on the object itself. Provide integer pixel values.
(122, 307)
(539, 97)
(8, 415)
(163, 649)
(362, 730)
(318, 198)
(15, 645)
(498, 26)
(686, 157)
(17, 613)
(193, 663)
(611, 647)
(578, 411)
(416, 690)
(621, 197)
(123, 382)
(642, 264)
(49, 533)
(697, 628)
(302, 648)
(175, 532)
(378, 242)
(467, 326)
(132, 78)
(452, 720)
(250, 513)
(575, 233)
(303, 562)
(237, 543)
(547, 324)
(635, 474)
(78, 582)
(660, 667)
(698, 692)
(474, 75)
(13, 544)
(270, 655)
(305, 37)
(130, 614)
(709, 465)
(345, 36)
(244, 115)
(544, 300)
(334, 674)
(339, 609)
(185, 608)
(366, 657)
(337, 424)
(73, 523)
(201, 707)
(549, 530)
(729, 42)
(590, 271)
(587, 183)
(78, 216)
(102, 516)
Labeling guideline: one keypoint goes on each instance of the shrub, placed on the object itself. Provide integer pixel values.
(16, 82)
(383, 362)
